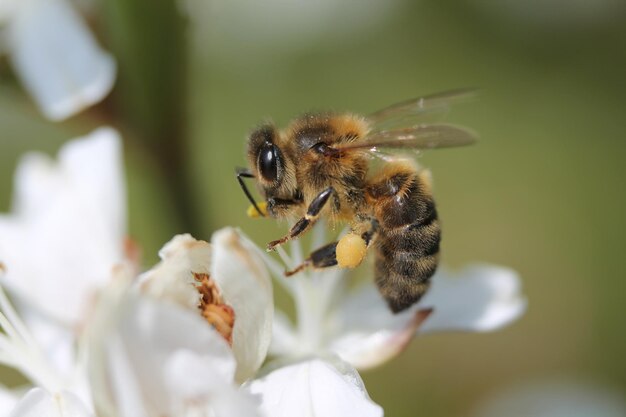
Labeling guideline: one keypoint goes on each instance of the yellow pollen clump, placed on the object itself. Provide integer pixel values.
(350, 250)
(218, 314)
(253, 213)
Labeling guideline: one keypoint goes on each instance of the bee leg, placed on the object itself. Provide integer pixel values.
(245, 173)
(348, 252)
(323, 257)
(308, 220)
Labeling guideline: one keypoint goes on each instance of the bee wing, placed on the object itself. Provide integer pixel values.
(427, 136)
(418, 110)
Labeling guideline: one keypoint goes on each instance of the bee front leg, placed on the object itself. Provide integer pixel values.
(307, 221)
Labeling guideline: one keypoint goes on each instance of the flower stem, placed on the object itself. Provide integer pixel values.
(313, 296)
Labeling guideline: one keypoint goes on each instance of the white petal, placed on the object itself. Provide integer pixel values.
(186, 372)
(8, 400)
(295, 24)
(172, 279)
(154, 332)
(7, 10)
(58, 59)
(57, 342)
(315, 388)
(126, 396)
(553, 397)
(188, 375)
(366, 334)
(92, 165)
(246, 286)
(68, 225)
(284, 337)
(40, 403)
(234, 403)
(477, 298)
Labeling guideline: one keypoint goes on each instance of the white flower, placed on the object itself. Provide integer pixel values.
(338, 329)
(149, 354)
(55, 56)
(236, 270)
(68, 226)
(232, 272)
(52, 393)
(237, 288)
(162, 351)
(147, 357)
(476, 298)
(359, 327)
(58, 248)
(537, 19)
(280, 27)
(153, 357)
(62, 240)
(553, 397)
(38, 402)
(314, 387)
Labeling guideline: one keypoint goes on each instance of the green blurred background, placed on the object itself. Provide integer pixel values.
(542, 192)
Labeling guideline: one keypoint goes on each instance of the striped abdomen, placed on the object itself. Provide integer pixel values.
(407, 241)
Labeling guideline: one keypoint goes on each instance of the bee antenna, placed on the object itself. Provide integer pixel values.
(245, 173)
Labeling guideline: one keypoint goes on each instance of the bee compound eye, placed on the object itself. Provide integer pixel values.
(320, 147)
(268, 162)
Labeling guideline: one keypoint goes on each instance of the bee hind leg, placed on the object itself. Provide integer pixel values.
(347, 252)
(323, 257)
(307, 221)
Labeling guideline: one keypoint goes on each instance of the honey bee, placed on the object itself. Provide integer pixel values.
(321, 165)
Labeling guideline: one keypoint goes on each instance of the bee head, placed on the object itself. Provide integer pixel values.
(270, 163)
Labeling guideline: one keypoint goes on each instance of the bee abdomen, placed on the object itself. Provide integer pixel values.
(407, 245)
(407, 257)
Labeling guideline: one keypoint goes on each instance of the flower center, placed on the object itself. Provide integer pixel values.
(212, 307)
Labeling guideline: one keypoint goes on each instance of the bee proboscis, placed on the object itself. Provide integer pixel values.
(321, 165)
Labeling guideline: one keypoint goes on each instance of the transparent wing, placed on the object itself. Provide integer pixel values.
(418, 110)
(427, 136)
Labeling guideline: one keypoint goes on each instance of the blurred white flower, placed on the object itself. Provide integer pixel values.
(538, 17)
(554, 397)
(38, 402)
(358, 326)
(67, 228)
(55, 55)
(242, 30)
(52, 393)
(58, 248)
(61, 241)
